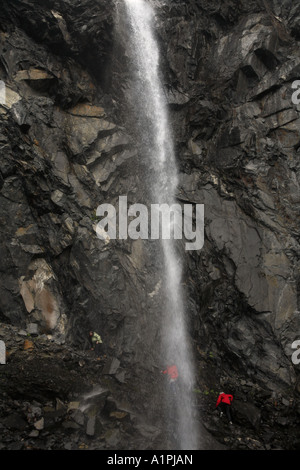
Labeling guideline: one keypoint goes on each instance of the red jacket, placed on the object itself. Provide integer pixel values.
(223, 398)
(172, 372)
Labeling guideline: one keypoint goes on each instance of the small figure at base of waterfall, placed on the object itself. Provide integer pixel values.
(224, 403)
(96, 343)
(172, 372)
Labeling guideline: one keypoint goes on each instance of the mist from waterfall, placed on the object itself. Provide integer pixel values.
(151, 111)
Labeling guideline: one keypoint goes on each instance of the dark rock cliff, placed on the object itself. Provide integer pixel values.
(67, 145)
(239, 155)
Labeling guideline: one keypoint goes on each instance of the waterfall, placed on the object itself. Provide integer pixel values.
(152, 115)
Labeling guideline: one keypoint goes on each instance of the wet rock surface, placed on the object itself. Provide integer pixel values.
(54, 397)
(67, 145)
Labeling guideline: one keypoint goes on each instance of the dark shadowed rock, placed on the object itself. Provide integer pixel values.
(247, 412)
(111, 367)
(15, 422)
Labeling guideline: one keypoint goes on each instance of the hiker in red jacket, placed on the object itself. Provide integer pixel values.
(172, 372)
(224, 402)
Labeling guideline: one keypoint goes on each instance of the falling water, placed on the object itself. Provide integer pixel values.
(151, 111)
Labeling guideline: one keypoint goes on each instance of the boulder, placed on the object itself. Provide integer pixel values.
(111, 367)
(245, 412)
(39, 424)
(33, 329)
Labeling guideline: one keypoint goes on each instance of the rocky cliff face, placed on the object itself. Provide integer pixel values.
(68, 145)
(232, 69)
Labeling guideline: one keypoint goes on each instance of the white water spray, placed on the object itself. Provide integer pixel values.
(151, 110)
